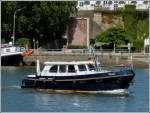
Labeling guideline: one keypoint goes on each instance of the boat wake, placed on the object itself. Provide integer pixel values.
(119, 92)
(112, 92)
(15, 86)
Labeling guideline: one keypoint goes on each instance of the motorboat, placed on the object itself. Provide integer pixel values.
(77, 76)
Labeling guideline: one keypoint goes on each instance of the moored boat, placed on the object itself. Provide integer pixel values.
(13, 55)
(78, 76)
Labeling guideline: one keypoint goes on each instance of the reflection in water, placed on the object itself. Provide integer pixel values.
(76, 101)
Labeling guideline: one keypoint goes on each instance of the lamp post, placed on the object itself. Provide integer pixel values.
(37, 45)
(34, 44)
(13, 37)
(114, 48)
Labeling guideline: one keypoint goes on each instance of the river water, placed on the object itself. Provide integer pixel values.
(15, 99)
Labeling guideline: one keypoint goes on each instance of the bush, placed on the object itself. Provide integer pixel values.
(138, 43)
(92, 41)
(23, 42)
(113, 35)
(3, 41)
(76, 47)
(130, 8)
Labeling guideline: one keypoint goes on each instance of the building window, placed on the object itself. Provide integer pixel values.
(92, 4)
(62, 68)
(54, 69)
(81, 4)
(134, 2)
(145, 2)
(86, 2)
(121, 2)
(115, 6)
(109, 2)
(104, 2)
(71, 69)
(115, 1)
(98, 2)
(82, 68)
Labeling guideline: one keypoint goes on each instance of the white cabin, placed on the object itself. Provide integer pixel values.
(11, 50)
(69, 68)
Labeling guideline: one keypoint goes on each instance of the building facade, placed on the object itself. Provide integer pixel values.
(111, 4)
(78, 31)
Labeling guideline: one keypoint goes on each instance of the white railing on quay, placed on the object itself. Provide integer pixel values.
(85, 51)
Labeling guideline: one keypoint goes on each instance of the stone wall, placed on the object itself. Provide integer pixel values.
(98, 22)
(103, 21)
(78, 31)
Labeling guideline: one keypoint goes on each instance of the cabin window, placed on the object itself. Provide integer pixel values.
(62, 68)
(71, 69)
(91, 67)
(54, 68)
(82, 68)
(7, 50)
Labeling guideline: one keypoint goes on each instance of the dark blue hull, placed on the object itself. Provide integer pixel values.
(94, 82)
(12, 60)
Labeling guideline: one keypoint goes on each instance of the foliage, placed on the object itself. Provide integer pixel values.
(7, 10)
(130, 21)
(135, 26)
(76, 47)
(23, 42)
(92, 41)
(142, 29)
(3, 40)
(113, 35)
(139, 43)
(45, 21)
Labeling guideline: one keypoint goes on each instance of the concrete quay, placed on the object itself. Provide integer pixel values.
(137, 59)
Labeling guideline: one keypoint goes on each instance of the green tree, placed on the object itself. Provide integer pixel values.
(142, 29)
(113, 35)
(7, 10)
(136, 25)
(46, 21)
(130, 21)
(23, 42)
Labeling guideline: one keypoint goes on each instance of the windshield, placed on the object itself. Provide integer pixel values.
(91, 67)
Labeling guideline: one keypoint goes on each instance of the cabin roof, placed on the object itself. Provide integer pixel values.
(66, 63)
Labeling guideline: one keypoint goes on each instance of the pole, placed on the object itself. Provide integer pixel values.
(15, 25)
(114, 48)
(149, 44)
(14, 30)
(37, 46)
(34, 44)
